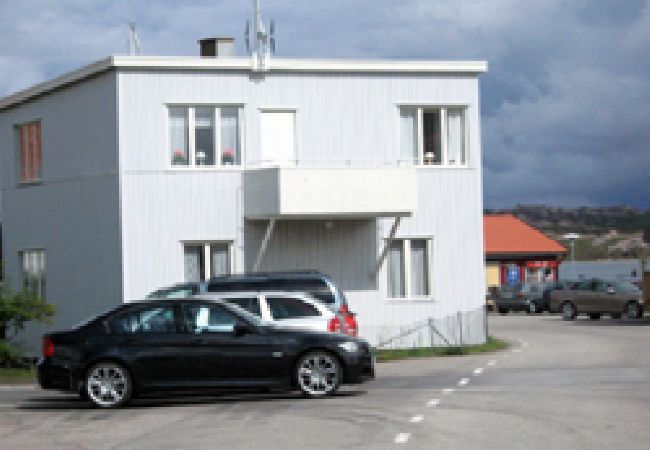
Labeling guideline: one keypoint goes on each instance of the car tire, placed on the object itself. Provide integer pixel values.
(633, 310)
(569, 311)
(503, 311)
(594, 316)
(318, 374)
(108, 384)
(616, 315)
(533, 308)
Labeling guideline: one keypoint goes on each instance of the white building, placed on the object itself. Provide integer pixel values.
(134, 173)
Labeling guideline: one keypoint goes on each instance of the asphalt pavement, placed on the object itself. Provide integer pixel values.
(561, 385)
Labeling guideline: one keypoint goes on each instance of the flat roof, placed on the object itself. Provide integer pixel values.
(243, 64)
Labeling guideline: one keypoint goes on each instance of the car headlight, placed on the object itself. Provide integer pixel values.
(349, 346)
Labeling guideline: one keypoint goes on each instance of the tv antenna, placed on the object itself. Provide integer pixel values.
(262, 43)
(134, 40)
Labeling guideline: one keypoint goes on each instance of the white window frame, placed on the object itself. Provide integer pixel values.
(406, 260)
(207, 261)
(443, 133)
(191, 129)
(21, 258)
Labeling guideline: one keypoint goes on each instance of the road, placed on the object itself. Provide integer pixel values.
(561, 385)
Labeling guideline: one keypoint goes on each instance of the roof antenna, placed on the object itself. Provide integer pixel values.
(134, 40)
(263, 41)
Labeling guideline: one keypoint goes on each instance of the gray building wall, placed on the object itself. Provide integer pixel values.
(74, 213)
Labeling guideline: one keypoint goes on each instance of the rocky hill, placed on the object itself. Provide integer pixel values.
(613, 232)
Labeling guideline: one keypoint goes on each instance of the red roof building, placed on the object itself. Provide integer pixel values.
(518, 252)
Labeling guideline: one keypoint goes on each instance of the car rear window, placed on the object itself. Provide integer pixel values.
(290, 308)
(317, 287)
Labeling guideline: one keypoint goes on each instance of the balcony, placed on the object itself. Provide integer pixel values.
(296, 192)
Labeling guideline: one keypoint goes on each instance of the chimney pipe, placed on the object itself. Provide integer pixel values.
(219, 47)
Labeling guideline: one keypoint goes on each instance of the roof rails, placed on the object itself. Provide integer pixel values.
(294, 273)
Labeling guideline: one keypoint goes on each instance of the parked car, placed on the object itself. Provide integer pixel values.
(518, 297)
(316, 284)
(193, 344)
(596, 297)
(287, 309)
(543, 303)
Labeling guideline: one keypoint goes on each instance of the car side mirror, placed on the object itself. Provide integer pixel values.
(242, 328)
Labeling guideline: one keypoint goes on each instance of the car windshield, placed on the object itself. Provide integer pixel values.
(247, 316)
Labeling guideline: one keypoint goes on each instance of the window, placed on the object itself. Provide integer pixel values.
(33, 271)
(201, 318)
(159, 319)
(204, 261)
(30, 154)
(290, 308)
(204, 136)
(409, 269)
(252, 304)
(433, 135)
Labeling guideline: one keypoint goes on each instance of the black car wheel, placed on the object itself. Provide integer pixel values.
(569, 311)
(633, 310)
(616, 315)
(318, 374)
(594, 316)
(503, 311)
(108, 384)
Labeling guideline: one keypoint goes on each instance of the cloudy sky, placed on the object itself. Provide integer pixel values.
(565, 105)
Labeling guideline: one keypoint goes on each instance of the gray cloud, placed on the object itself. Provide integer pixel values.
(565, 104)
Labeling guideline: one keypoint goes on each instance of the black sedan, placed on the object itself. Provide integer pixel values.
(192, 344)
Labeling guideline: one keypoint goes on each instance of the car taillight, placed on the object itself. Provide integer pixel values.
(344, 309)
(48, 347)
(334, 325)
(351, 326)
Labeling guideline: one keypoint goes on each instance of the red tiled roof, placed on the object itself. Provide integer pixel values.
(504, 233)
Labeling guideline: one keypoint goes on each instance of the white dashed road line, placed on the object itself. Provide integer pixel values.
(491, 362)
(463, 381)
(478, 371)
(516, 350)
(448, 390)
(433, 402)
(416, 419)
(402, 438)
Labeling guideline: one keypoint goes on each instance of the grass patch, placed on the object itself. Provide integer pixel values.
(492, 345)
(10, 376)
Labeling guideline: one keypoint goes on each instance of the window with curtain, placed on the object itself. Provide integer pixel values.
(178, 136)
(433, 135)
(30, 154)
(205, 260)
(409, 268)
(33, 271)
(216, 136)
(396, 269)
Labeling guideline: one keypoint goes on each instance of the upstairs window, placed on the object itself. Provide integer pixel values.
(30, 155)
(204, 136)
(433, 135)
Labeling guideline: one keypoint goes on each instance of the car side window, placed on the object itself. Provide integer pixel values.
(250, 304)
(203, 318)
(159, 319)
(290, 308)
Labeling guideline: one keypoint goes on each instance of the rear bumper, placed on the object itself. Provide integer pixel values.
(57, 376)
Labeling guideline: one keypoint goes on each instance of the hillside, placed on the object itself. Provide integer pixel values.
(614, 232)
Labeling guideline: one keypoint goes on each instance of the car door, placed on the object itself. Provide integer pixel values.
(223, 357)
(149, 339)
(582, 296)
(293, 312)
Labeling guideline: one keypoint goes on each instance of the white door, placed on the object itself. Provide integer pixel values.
(277, 137)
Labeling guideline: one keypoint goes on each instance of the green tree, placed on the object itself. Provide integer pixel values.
(17, 308)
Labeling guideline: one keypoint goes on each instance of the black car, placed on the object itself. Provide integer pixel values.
(193, 344)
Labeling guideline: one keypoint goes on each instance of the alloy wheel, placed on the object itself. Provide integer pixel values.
(633, 311)
(318, 374)
(108, 385)
(568, 311)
